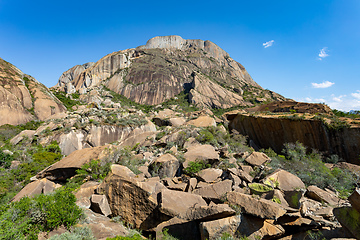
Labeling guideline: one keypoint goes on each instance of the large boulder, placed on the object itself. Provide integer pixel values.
(66, 167)
(354, 199)
(166, 165)
(205, 153)
(257, 207)
(130, 199)
(99, 204)
(209, 174)
(349, 218)
(202, 121)
(215, 192)
(239, 226)
(174, 203)
(207, 213)
(320, 195)
(257, 159)
(23, 134)
(284, 180)
(35, 188)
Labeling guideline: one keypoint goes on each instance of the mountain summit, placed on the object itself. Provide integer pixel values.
(166, 66)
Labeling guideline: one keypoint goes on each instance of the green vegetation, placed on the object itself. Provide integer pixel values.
(258, 188)
(5, 159)
(68, 102)
(25, 218)
(352, 115)
(311, 169)
(77, 233)
(195, 167)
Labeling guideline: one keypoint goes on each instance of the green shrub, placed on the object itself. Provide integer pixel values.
(5, 159)
(96, 169)
(25, 218)
(133, 237)
(195, 167)
(78, 233)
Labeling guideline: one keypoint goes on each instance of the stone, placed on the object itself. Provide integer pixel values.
(133, 201)
(23, 134)
(66, 167)
(99, 204)
(293, 198)
(173, 203)
(240, 225)
(202, 121)
(309, 206)
(191, 185)
(326, 212)
(349, 218)
(83, 202)
(207, 213)
(257, 207)
(215, 192)
(320, 195)
(86, 190)
(205, 153)
(35, 188)
(177, 122)
(165, 166)
(257, 159)
(354, 199)
(209, 174)
(180, 229)
(284, 181)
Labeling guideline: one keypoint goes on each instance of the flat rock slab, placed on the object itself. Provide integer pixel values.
(99, 204)
(166, 165)
(174, 203)
(257, 159)
(208, 213)
(202, 121)
(240, 225)
(320, 195)
(216, 191)
(257, 207)
(354, 199)
(35, 188)
(200, 152)
(284, 180)
(209, 174)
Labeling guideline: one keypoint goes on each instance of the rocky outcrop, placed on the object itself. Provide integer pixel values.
(268, 131)
(163, 68)
(23, 98)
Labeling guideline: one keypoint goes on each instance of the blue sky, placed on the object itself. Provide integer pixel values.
(312, 52)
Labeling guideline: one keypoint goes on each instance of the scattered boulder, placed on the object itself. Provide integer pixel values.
(209, 174)
(354, 199)
(166, 165)
(23, 134)
(200, 152)
(257, 159)
(35, 188)
(349, 218)
(215, 192)
(257, 207)
(207, 213)
(284, 180)
(99, 204)
(202, 121)
(177, 122)
(320, 195)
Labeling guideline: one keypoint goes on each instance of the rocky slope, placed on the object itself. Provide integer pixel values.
(23, 98)
(311, 124)
(166, 66)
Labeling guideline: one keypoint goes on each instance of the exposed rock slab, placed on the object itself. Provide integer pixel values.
(35, 188)
(284, 180)
(349, 218)
(257, 207)
(200, 152)
(202, 121)
(257, 159)
(215, 192)
(99, 204)
(321, 195)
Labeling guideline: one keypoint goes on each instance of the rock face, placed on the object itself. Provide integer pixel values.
(163, 68)
(273, 132)
(23, 98)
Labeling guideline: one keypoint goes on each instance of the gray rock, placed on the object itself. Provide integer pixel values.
(99, 204)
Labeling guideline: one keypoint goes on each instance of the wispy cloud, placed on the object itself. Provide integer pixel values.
(356, 95)
(337, 98)
(268, 44)
(325, 84)
(323, 53)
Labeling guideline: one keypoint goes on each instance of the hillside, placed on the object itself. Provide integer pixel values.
(23, 98)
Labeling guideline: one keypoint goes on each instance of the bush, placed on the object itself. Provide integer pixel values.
(78, 233)
(27, 217)
(5, 159)
(195, 167)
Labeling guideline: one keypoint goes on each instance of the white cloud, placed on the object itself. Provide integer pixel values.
(308, 99)
(325, 84)
(323, 53)
(338, 99)
(268, 44)
(356, 95)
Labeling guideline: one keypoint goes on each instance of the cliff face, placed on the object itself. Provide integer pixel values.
(274, 132)
(164, 67)
(23, 98)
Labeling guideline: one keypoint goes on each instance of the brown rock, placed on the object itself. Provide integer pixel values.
(99, 204)
(239, 226)
(209, 174)
(83, 202)
(215, 192)
(86, 190)
(207, 213)
(202, 121)
(23, 134)
(179, 229)
(200, 152)
(284, 180)
(173, 203)
(166, 165)
(257, 207)
(177, 122)
(321, 195)
(354, 199)
(35, 188)
(257, 159)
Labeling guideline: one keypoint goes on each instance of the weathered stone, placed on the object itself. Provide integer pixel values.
(166, 165)
(86, 190)
(308, 206)
(179, 187)
(215, 192)
(23, 134)
(257, 207)
(200, 152)
(321, 195)
(326, 212)
(83, 202)
(209, 174)
(173, 203)
(131, 200)
(177, 122)
(257, 159)
(354, 199)
(240, 225)
(35, 188)
(179, 228)
(284, 180)
(279, 196)
(207, 213)
(202, 121)
(191, 185)
(99, 204)
(293, 198)
(66, 167)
